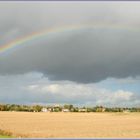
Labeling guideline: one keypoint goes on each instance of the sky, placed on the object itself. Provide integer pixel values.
(90, 55)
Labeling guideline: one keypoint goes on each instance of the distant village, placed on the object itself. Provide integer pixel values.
(64, 108)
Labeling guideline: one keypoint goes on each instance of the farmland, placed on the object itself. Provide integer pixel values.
(70, 125)
(3, 136)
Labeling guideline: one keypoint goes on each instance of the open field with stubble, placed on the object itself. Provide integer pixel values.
(71, 125)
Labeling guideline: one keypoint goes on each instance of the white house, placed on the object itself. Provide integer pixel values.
(65, 110)
(44, 109)
(82, 110)
(126, 111)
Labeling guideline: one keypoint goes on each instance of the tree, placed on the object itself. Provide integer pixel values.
(70, 107)
(37, 108)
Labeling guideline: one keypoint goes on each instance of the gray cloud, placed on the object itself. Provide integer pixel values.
(31, 88)
(86, 55)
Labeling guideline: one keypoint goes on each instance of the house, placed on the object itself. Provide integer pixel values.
(44, 109)
(126, 111)
(82, 110)
(50, 109)
(100, 109)
(103, 109)
(65, 110)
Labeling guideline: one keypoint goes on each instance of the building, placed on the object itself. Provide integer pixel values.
(65, 110)
(82, 110)
(44, 109)
(126, 111)
(50, 109)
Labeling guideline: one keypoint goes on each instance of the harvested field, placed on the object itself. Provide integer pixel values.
(71, 125)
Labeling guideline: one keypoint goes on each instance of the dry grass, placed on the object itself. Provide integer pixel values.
(5, 133)
(71, 125)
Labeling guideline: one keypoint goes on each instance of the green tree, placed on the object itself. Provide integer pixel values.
(37, 108)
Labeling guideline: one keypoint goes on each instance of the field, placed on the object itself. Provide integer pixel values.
(71, 125)
(3, 136)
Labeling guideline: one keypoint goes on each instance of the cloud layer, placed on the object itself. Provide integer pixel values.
(86, 55)
(97, 64)
(34, 88)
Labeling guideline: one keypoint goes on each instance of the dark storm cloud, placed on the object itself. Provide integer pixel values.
(87, 55)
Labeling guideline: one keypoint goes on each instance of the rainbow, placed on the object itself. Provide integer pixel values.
(44, 33)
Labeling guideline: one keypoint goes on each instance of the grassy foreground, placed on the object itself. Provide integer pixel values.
(71, 125)
(3, 136)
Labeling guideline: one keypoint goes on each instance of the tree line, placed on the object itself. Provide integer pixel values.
(66, 107)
